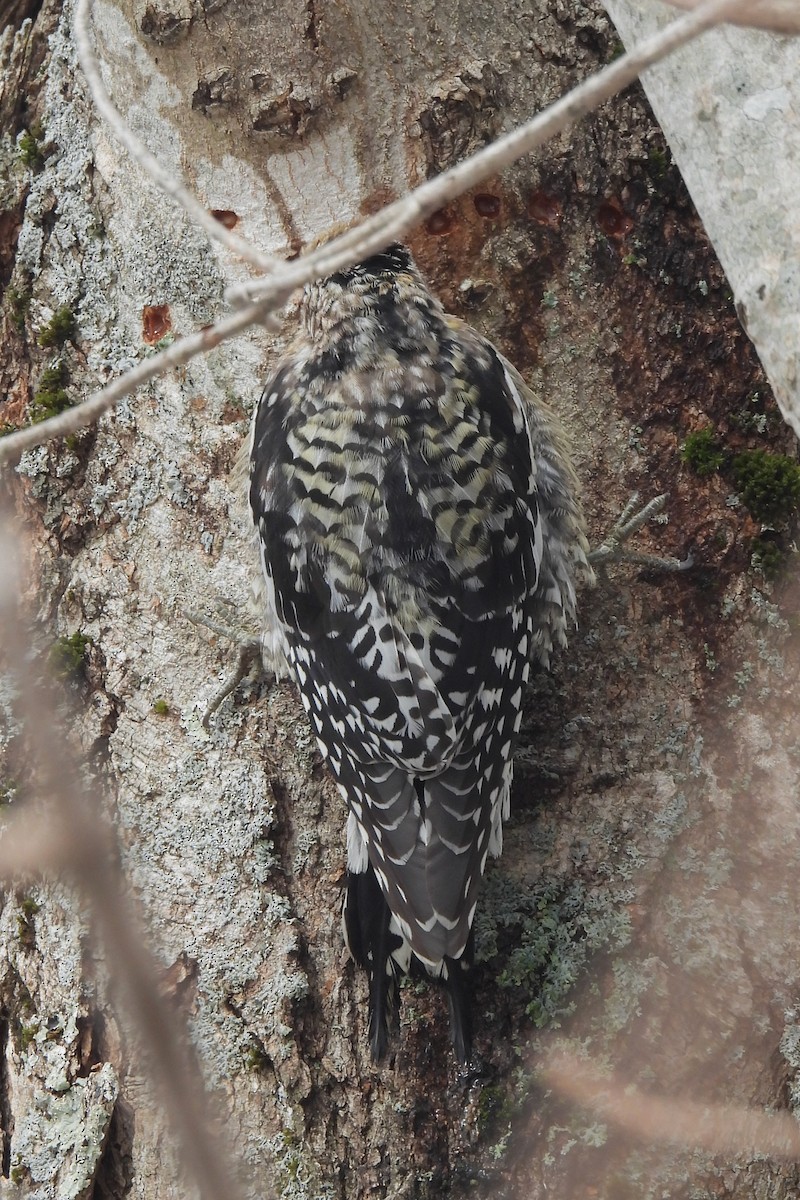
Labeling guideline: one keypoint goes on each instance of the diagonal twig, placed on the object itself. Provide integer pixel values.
(89, 411)
(778, 16)
(392, 223)
(718, 1128)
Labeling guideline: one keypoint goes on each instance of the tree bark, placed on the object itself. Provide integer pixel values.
(643, 915)
(726, 104)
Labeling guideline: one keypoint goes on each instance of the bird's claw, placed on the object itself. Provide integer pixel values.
(629, 522)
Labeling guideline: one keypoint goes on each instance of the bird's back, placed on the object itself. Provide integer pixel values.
(420, 534)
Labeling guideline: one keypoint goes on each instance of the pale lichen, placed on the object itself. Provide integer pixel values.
(59, 1140)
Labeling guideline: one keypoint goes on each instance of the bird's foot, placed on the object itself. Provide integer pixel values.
(248, 653)
(630, 521)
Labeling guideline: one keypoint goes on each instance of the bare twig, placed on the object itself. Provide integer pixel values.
(74, 419)
(778, 16)
(393, 222)
(32, 845)
(719, 1128)
(139, 152)
(376, 232)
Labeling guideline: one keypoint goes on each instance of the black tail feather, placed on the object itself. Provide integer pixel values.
(370, 941)
(459, 997)
(366, 921)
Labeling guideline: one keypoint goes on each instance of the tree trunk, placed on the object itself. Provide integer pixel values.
(643, 915)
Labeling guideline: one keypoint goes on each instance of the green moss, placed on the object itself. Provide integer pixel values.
(30, 146)
(50, 397)
(26, 929)
(59, 329)
(658, 162)
(256, 1058)
(701, 452)
(160, 707)
(26, 1035)
(495, 1108)
(768, 557)
(67, 655)
(19, 299)
(769, 484)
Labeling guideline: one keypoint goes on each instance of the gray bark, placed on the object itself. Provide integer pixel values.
(644, 911)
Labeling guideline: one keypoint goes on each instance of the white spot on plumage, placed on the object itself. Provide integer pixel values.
(357, 857)
(456, 848)
(502, 658)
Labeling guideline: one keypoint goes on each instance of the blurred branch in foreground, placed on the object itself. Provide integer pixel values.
(720, 1129)
(59, 829)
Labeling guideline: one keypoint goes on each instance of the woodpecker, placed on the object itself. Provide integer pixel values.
(421, 537)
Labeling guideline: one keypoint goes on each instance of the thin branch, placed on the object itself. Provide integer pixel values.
(169, 183)
(87, 841)
(719, 1128)
(72, 420)
(777, 16)
(378, 231)
(393, 222)
(32, 844)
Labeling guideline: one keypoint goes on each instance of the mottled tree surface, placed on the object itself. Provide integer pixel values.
(644, 914)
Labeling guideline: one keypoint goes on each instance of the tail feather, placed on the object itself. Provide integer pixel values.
(371, 942)
(459, 997)
(377, 947)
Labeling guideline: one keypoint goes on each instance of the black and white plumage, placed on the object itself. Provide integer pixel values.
(421, 536)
